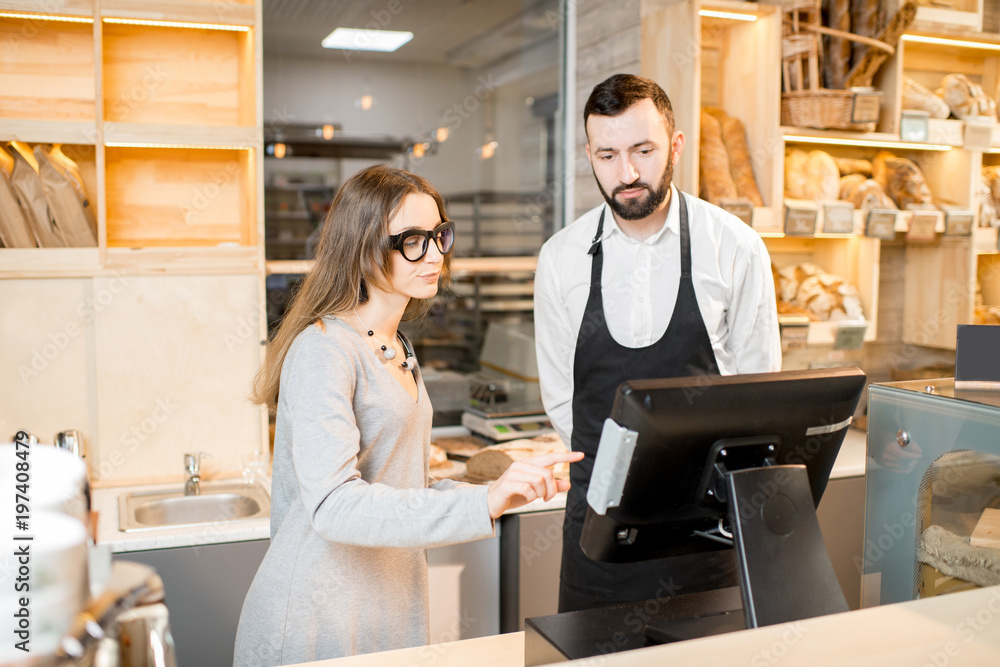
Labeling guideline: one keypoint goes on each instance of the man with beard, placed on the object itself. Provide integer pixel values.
(653, 284)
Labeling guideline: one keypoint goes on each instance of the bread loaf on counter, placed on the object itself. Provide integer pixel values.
(822, 177)
(492, 461)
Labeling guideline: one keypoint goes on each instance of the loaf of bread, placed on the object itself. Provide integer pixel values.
(848, 165)
(784, 307)
(992, 176)
(796, 162)
(837, 62)
(734, 136)
(848, 183)
(438, 456)
(905, 183)
(878, 166)
(864, 22)
(868, 195)
(986, 203)
(714, 168)
(967, 99)
(827, 296)
(919, 98)
(822, 177)
(493, 461)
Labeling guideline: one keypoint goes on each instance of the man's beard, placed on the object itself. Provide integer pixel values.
(638, 209)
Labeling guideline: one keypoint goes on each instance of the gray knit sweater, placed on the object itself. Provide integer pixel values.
(351, 512)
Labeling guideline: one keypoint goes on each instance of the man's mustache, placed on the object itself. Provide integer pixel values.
(632, 186)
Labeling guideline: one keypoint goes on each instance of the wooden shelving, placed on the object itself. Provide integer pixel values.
(159, 106)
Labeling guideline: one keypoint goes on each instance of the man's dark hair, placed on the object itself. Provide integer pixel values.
(618, 92)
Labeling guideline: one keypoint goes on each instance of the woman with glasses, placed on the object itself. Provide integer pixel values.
(351, 509)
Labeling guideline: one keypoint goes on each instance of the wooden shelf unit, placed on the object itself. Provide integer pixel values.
(147, 342)
(166, 98)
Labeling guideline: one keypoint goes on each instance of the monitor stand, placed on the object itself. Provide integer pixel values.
(785, 569)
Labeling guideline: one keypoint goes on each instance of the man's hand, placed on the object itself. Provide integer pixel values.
(527, 480)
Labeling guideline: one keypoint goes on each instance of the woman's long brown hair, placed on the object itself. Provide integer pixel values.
(352, 254)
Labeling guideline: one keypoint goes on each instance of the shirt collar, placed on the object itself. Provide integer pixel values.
(672, 223)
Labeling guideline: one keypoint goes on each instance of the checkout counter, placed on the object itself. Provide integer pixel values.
(954, 621)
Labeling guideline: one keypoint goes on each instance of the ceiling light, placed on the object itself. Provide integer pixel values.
(418, 150)
(279, 150)
(734, 16)
(328, 132)
(366, 102)
(441, 134)
(366, 40)
(839, 141)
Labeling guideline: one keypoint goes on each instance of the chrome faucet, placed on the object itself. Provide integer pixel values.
(192, 470)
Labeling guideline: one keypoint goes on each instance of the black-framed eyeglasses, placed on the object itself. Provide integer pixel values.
(413, 243)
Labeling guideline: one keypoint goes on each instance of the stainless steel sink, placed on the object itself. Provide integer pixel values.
(149, 510)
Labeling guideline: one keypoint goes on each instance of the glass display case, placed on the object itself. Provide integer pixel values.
(932, 490)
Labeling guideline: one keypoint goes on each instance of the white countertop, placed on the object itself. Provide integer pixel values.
(956, 629)
(850, 463)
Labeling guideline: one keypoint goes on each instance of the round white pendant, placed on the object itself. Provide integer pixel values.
(389, 353)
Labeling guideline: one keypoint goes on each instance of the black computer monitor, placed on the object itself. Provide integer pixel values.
(695, 464)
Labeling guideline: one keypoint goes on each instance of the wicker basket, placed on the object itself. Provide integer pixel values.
(822, 109)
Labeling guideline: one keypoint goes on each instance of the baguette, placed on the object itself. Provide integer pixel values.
(716, 172)
(740, 163)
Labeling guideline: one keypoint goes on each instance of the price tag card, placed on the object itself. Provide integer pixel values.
(881, 224)
(800, 221)
(740, 207)
(914, 126)
(867, 103)
(959, 223)
(850, 336)
(794, 333)
(838, 217)
(978, 134)
(923, 226)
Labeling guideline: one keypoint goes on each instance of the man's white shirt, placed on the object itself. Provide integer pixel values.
(732, 277)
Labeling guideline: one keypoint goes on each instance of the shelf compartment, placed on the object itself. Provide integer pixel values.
(728, 64)
(172, 197)
(230, 12)
(854, 258)
(178, 76)
(48, 70)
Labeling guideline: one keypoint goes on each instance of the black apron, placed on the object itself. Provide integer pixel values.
(599, 366)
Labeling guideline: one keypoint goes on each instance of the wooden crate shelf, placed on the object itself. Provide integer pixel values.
(170, 197)
(178, 76)
(48, 70)
(854, 258)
